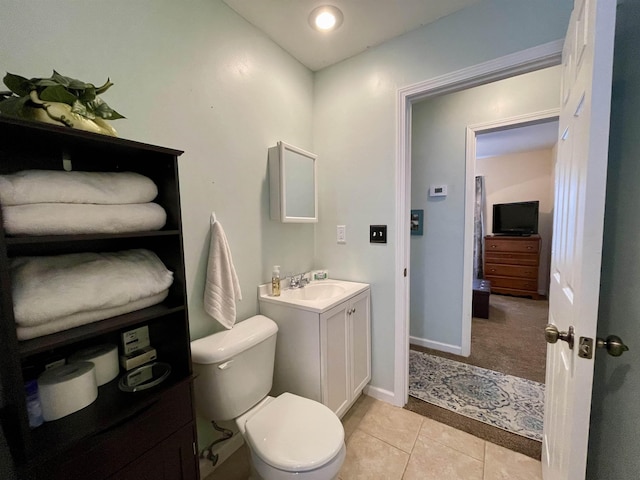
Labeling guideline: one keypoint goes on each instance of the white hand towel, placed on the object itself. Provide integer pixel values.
(222, 289)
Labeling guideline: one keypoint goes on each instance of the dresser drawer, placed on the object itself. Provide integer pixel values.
(511, 258)
(497, 244)
(502, 283)
(511, 271)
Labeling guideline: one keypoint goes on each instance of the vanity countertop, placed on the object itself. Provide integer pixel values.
(317, 296)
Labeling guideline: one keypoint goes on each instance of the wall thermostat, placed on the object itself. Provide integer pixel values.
(438, 191)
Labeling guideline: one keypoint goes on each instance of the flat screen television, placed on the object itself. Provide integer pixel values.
(518, 218)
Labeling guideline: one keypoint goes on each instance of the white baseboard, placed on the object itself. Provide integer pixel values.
(381, 394)
(224, 450)
(443, 347)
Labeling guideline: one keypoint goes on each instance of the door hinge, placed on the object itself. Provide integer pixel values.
(195, 449)
(405, 272)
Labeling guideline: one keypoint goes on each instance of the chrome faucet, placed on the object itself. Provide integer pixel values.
(298, 280)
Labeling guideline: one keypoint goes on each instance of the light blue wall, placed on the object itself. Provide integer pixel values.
(615, 416)
(354, 134)
(197, 77)
(438, 157)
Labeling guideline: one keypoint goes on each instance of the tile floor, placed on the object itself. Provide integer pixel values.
(389, 443)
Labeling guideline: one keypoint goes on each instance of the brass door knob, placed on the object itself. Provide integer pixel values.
(552, 335)
(614, 345)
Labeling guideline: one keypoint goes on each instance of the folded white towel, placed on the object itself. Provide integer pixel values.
(222, 289)
(57, 186)
(75, 218)
(83, 318)
(48, 288)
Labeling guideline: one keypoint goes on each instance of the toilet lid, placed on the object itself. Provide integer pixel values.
(295, 434)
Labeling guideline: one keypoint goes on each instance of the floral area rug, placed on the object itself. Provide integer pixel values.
(510, 403)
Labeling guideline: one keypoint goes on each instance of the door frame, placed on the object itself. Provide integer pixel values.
(536, 58)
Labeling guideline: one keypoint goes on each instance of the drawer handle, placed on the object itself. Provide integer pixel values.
(529, 247)
(493, 246)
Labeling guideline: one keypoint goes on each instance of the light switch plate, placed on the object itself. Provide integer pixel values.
(341, 235)
(377, 234)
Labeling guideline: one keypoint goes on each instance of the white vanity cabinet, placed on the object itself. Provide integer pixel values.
(345, 339)
(323, 353)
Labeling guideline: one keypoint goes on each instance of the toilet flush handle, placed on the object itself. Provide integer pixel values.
(225, 365)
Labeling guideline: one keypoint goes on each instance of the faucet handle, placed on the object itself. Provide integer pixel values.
(298, 280)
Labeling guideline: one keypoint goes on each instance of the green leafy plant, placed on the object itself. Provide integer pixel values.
(82, 97)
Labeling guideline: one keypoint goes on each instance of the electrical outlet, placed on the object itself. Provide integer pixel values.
(377, 234)
(342, 234)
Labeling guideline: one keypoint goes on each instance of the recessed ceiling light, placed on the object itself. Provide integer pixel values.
(325, 18)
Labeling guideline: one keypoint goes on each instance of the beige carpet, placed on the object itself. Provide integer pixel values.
(510, 341)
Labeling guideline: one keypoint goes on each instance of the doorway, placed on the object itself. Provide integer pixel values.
(525, 61)
(528, 61)
(517, 164)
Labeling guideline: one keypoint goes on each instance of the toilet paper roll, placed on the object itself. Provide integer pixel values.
(104, 358)
(66, 389)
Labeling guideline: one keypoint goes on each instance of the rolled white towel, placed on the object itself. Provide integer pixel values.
(47, 288)
(74, 218)
(57, 186)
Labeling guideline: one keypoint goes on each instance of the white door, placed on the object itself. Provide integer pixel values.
(577, 237)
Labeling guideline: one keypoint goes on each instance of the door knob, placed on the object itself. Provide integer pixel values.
(552, 335)
(614, 345)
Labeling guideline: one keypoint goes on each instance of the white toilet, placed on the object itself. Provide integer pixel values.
(289, 437)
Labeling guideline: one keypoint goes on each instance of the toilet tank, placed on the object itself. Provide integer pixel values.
(234, 368)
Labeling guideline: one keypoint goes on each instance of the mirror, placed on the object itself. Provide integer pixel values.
(293, 184)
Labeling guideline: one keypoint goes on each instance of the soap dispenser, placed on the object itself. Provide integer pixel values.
(275, 281)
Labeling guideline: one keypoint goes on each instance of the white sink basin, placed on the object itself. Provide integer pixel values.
(317, 296)
(314, 291)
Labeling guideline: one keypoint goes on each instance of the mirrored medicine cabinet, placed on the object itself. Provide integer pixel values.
(293, 184)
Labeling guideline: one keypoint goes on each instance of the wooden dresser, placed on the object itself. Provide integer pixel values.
(511, 264)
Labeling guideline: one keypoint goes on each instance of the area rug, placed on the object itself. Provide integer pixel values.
(510, 403)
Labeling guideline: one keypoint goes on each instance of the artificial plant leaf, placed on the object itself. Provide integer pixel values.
(102, 110)
(103, 88)
(82, 110)
(70, 82)
(87, 95)
(44, 82)
(17, 84)
(57, 93)
(13, 106)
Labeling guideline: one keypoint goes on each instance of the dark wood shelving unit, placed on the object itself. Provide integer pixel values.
(120, 434)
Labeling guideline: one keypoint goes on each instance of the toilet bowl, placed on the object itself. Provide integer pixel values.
(293, 437)
(288, 436)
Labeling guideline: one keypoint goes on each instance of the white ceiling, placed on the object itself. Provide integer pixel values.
(515, 140)
(367, 23)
